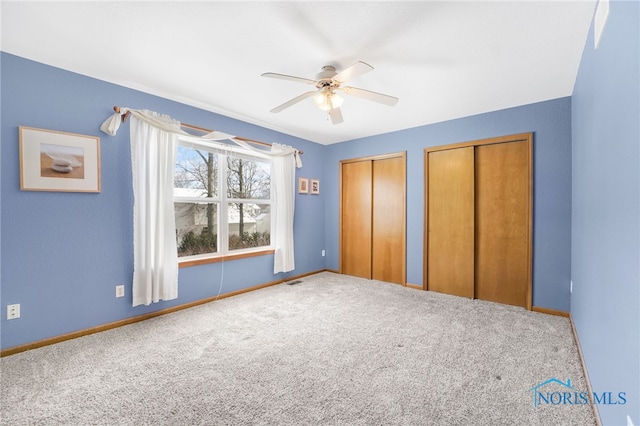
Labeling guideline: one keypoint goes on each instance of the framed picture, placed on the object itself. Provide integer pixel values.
(315, 186)
(58, 161)
(303, 185)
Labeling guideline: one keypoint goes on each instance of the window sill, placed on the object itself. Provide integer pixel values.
(197, 260)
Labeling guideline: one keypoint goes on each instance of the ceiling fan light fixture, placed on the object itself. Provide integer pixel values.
(327, 82)
(328, 100)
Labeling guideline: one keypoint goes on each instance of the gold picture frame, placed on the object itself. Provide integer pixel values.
(58, 161)
(303, 185)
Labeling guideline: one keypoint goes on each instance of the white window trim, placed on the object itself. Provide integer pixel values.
(222, 200)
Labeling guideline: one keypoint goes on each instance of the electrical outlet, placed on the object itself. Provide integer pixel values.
(13, 311)
(571, 287)
(322, 253)
(119, 291)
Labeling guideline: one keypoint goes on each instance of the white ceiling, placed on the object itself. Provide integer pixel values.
(444, 60)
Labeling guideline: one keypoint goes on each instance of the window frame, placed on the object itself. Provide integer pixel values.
(222, 201)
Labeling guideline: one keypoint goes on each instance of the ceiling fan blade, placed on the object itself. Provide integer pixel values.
(288, 77)
(355, 70)
(336, 116)
(294, 101)
(370, 96)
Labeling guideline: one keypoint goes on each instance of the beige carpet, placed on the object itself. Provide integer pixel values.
(331, 350)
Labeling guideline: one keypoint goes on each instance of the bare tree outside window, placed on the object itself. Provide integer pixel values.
(196, 173)
(248, 179)
(196, 177)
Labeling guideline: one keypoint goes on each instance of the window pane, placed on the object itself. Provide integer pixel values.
(196, 228)
(196, 173)
(248, 178)
(249, 225)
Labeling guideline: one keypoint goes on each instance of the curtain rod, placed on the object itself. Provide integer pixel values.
(202, 129)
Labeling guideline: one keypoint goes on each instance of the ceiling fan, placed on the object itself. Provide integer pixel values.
(328, 82)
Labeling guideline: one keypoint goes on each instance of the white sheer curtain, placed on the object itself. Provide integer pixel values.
(155, 255)
(283, 177)
(154, 140)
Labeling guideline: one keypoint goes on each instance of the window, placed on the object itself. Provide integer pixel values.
(222, 201)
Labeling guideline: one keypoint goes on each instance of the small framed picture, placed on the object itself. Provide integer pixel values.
(58, 161)
(303, 185)
(315, 186)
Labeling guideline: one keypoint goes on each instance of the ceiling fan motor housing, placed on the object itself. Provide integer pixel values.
(324, 78)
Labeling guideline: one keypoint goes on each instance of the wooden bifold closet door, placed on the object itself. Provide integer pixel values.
(478, 219)
(372, 217)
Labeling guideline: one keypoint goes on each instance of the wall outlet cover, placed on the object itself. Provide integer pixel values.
(13, 311)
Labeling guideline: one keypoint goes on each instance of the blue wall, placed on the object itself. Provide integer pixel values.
(605, 303)
(64, 253)
(550, 123)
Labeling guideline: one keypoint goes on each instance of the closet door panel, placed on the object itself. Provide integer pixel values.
(450, 238)
(388, 244)
(355, 229)
(502, 222)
